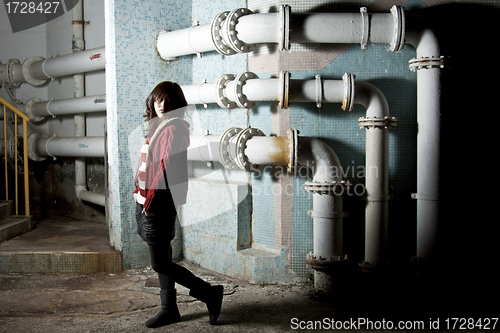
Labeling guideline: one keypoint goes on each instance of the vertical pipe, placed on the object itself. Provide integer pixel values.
(377, 123)
(428, 159)
(5, 151)
(15, 164)
(79, 90)
(428, 50)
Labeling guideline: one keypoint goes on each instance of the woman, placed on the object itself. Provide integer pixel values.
(161, 186)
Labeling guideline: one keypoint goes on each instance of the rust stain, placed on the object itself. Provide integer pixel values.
(282, 157)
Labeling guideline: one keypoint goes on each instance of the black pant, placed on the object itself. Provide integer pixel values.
(169, 272)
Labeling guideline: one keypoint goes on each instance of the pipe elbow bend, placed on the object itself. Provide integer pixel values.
(321, 159)
(372, 99)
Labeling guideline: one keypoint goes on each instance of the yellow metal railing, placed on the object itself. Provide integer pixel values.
(17, 113)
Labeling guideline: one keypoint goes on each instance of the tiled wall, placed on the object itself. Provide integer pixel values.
(133, 68)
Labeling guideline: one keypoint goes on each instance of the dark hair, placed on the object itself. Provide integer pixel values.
(172, 96)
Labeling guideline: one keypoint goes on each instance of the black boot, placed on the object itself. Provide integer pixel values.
(212, 297)
(169, 312)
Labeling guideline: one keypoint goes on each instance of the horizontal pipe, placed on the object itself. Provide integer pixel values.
(36, 71)
(70, 64)
(37, 109)
(262, 150)
(251, 29)
(204, 148)
(66, 147)
(89, 196)
(331, 91)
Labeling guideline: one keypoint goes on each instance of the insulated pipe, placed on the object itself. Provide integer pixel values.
(38, 109)
(240, 30)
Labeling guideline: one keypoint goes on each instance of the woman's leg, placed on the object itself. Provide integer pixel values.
(161, 261)
(169, 312)
(169, 272)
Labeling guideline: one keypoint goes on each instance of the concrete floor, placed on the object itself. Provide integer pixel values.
(122, 301)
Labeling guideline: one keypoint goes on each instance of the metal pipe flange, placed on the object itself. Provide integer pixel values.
(398, 38)
(241, 144)
(333, 188)
(220, 92)
(321, 264)
(241, 98)
(426, 63)
(26, 71)
(31, 149)
(377, 122)
(284, 82)
(226, 157)
(285, 13)
(30, 114)
(217, 37)
(348, 101)
(11, 82)
(293, 148)
(230, 30)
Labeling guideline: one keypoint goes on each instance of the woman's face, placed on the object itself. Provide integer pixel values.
(160, 111)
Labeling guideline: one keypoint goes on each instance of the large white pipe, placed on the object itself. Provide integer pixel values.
(239, 30)
(79, 92)
(36, 71)
(37, 109)
(377, 123)
(428, 65)
(90, 146)
(257, 90)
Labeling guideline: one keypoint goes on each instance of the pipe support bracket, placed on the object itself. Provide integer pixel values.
(366, 27)
(319, 92)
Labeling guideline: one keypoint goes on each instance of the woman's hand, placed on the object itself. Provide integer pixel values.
(145, 212)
